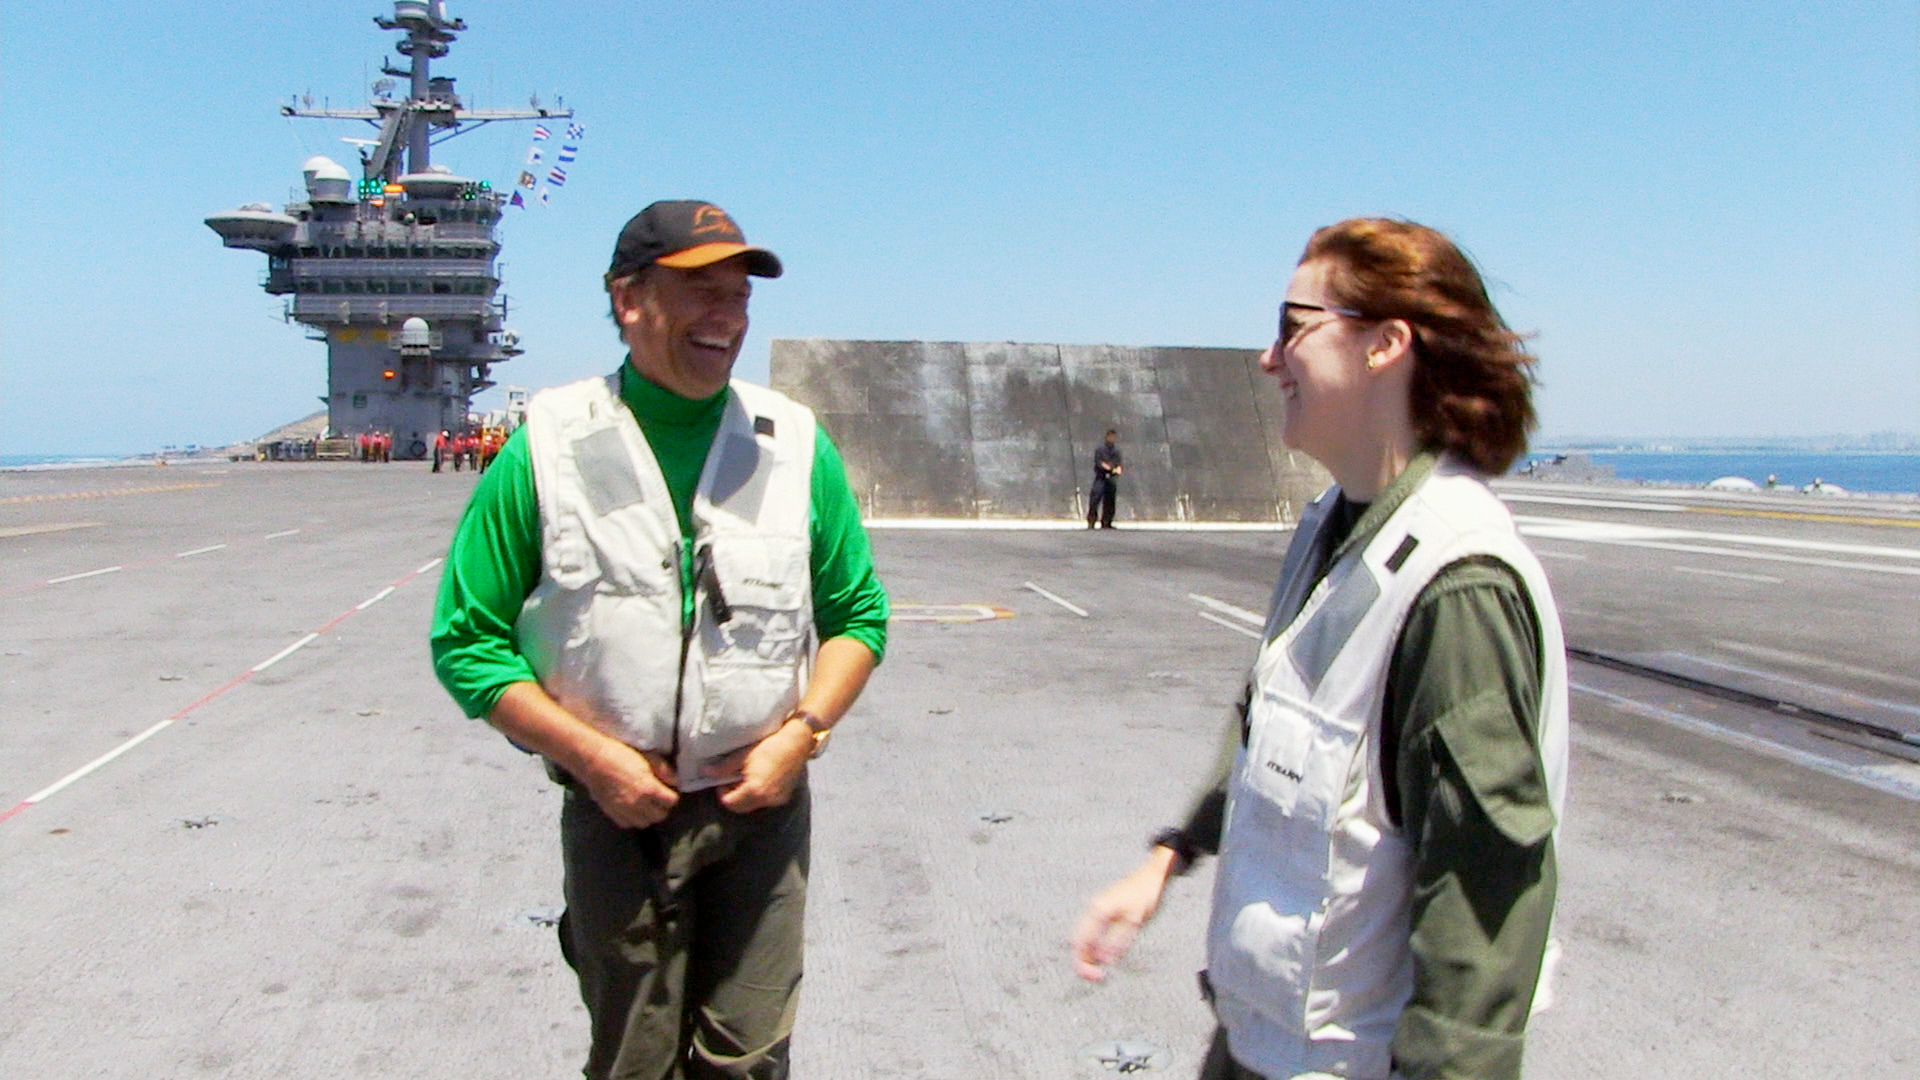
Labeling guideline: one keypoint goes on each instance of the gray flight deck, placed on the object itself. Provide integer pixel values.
(312, 867)
(1001, 430)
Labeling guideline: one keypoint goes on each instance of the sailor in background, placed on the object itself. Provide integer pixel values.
(1105, 492)
(1386, 799)
(663, 587)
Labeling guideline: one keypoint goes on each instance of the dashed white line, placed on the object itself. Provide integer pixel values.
(1233, 626)
(430, 565)
(374, 599)
(40, 796)
(281, 533)
(199, 551)
(88, 574)
(1762, 578)
(283, 653)
(1560, 555)
(1228, 609)
(1068, 604)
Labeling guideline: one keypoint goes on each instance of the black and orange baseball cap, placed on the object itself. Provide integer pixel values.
(685, 234)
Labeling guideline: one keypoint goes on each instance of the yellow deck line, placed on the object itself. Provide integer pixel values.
(1796, 515)
(13, 500)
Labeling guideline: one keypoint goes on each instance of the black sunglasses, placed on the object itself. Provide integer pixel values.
(1291, 325)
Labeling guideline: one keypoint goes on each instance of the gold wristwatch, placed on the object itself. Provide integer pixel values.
(820, 729)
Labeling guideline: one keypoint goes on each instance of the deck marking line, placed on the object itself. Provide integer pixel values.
(1620, 532)
(1892, 785)
(284, 653)
(1560, 555)
(1729, 574)
(97, 762)
(281, 533)
(200, 551)
(1796, 515)
(88, 574)
(1233, 626)
(374, 599)
(231, 683)
(1855, 670)
(1068, 604)
(1225, 608)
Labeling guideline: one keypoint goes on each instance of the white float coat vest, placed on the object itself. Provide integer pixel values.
(1307, 946)
(603, 628)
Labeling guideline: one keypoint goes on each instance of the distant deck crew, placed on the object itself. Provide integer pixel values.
(1105, 492)
(1389, 788)
(663, 587)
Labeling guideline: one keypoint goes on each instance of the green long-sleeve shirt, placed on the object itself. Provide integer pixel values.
(494, 561)
(1465, 783)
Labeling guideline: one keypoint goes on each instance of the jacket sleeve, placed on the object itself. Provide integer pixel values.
(1466, 783)
(848, 599)
(492, 566)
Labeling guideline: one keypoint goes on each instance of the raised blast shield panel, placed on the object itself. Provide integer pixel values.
(898, 412)
(998, 430)
(1022, 453)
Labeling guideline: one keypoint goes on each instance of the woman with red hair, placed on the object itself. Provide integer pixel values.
(1386, 800)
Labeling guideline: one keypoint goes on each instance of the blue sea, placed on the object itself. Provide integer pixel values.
(61, 461)
(1884, 473)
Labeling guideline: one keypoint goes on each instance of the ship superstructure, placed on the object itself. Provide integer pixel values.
(394, 270)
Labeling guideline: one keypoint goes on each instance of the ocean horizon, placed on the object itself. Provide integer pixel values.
(1865, 472)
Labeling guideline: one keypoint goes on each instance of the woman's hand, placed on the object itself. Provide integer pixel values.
(1114, 917)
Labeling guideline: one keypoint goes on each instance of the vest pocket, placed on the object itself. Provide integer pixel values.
(765, 580)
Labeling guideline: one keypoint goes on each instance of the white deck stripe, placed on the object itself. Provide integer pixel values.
(1910, 571)
(284, 653)
(1890, 779)
(1558, 528)
(88, 574)
(1228, 609)
(1069, 605)
(1055, 525)
(1600, 504)
(374, 599)
(1233, 626)
(1730, 574)
(200, 551)
(97, 762)
(429, 566)
(1782, 655)
(1559, 555)
(278, 535)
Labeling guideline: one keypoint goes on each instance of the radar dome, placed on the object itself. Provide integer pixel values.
(327, 182)
(416, 334)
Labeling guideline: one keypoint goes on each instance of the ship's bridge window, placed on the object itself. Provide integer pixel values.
(442, 287)
(376, 286)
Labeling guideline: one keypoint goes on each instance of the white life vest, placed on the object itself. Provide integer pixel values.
(603, 629)
(1307, 946)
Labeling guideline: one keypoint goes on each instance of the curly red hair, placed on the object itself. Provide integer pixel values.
(1473, 376)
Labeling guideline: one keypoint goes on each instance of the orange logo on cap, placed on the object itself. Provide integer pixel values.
(712, 219)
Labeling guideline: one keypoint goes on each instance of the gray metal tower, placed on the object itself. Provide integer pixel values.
(395, 271)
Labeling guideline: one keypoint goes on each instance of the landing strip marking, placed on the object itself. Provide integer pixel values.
(53, 789)
(949, 613)
(1796, 515)
(1762, 578)
(1068, 604)
(1228, 623)
(88, 574)
(1225, 608)
(1883, 778)
(14, 500)
(157, 560)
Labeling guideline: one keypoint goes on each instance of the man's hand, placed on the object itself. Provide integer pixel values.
(633, 788)
(769, 770)
(1114, 917)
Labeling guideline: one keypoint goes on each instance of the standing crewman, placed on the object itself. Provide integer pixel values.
(662, 586)
(1106, 482)
(442, 446)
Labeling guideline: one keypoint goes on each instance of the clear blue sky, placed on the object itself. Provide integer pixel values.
(1709, 213)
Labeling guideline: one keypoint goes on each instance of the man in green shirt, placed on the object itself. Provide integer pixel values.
(633, 594)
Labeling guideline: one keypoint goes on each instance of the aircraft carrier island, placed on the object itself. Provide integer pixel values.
(394, 269)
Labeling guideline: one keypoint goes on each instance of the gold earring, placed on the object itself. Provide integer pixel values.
(1374, 362)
